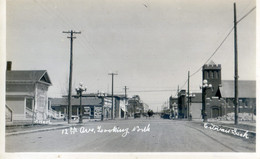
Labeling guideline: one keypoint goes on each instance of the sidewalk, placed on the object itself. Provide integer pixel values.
(29, 128)
(243, 127)
(54, 125)
(247, 125)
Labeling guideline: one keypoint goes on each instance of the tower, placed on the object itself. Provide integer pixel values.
(212, 73)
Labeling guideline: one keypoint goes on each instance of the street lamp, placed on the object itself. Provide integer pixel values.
(102, 95)
(79, 91)
(136, 105)
(204, 88)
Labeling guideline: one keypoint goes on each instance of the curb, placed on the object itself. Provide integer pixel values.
(47, 129)
(38, 130)
(251, 134)
(237, 132)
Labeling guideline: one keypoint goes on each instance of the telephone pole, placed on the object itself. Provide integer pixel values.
(125, 91)
(236, 66)
(112, 109)
(70, 75)
(188, 106)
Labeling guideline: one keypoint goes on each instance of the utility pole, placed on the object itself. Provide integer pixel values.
(188, 106)
(125, 103)
(125, 90)
(112, 109)
(236, 66)
(70, 76)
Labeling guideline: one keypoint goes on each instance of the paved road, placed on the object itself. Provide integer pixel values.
(144, 135)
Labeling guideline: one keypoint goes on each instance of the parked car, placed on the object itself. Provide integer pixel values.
(165, 116)
(137, 115)
(74, 117)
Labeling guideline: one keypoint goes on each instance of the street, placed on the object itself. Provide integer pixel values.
(132, 135)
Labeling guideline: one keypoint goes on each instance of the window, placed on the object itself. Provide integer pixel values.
(216, 74)
(29, 103)
(206, 75)
(211, 74)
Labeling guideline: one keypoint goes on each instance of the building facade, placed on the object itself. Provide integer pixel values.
(27, 95)
(219, 100)
(182, 104)
(95, 106)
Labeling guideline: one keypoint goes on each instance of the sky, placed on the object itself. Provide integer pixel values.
(151, 44)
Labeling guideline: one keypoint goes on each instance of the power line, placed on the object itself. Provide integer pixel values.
(219, 45)
(184, 84)
(215, 50)
(162, 90)
(153, 91)
(246, 14)
(224, 40)
(195, 72)
(56, 12)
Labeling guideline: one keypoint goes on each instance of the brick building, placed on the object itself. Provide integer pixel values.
(220, 99)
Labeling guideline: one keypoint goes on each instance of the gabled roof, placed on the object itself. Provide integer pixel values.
(246, 89)
(76, 101)
(28, 76)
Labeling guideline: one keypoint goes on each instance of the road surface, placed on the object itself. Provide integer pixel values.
(133, 135)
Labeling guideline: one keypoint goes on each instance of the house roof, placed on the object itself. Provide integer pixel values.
(246, 89)
(28, 76)
(76, 101)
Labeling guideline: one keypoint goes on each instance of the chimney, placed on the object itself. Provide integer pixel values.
(9, 66)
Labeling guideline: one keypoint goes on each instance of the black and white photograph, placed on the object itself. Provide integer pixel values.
(129, 78)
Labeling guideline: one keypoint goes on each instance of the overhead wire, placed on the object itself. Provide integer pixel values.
(65, 21)
(222, 42)
(224, 39)
(251, 10)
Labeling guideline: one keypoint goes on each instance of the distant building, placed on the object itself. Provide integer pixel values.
(196, 105)
(94, 106)
(120, 107)
(220, 99)
(212, 73)
(246, 94)
(179, 105)
(27, 95)
(135, 106)
(182, 104)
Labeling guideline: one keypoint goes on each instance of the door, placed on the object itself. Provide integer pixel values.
(91, 112)
(215, 112)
